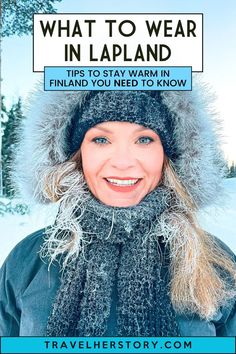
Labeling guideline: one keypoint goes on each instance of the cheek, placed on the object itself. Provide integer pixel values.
(154, 163)
(92, 162)
(88, 170)
(87, 163)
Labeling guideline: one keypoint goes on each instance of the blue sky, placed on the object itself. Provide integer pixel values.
(219, 51)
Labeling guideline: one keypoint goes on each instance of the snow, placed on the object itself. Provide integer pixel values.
(220, 221)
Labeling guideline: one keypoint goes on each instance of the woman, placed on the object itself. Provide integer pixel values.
(126, 255)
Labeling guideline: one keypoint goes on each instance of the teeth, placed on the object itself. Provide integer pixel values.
(119, 182)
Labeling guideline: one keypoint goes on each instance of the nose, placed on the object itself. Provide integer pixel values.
(123, 158)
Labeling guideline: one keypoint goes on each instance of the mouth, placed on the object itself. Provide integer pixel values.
(127, 184)
(123, 181)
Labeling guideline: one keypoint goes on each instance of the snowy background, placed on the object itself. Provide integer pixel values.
(220, 221)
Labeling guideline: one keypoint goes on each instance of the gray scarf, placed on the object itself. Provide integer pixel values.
(125, 264)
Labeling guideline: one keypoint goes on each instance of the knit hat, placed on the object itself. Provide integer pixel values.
(138, 107)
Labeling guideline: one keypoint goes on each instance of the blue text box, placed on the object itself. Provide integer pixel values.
(117, 78)
(139, 345)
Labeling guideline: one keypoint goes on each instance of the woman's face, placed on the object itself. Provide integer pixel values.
(122, 162)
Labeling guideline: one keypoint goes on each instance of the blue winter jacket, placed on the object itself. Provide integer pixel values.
(28, 289)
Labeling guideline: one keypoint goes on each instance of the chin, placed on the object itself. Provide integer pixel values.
(121, 203)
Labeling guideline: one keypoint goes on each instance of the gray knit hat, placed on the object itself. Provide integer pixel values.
(144, 108)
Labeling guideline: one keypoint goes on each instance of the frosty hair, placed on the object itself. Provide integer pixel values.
(203, 275)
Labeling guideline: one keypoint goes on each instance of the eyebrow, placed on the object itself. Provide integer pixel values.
(111, 132)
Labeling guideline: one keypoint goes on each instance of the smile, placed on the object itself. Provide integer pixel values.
(123, 184)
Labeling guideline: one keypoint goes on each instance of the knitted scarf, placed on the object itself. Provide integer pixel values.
(124, 264)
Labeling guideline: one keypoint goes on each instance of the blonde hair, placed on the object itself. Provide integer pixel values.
(203, 275)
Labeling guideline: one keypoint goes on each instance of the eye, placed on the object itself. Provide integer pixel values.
(100, 140)
(145, 140)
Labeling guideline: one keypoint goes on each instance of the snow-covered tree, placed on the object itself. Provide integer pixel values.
(17, 15)
(232, 170)
(9, 140)
(3, 120)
